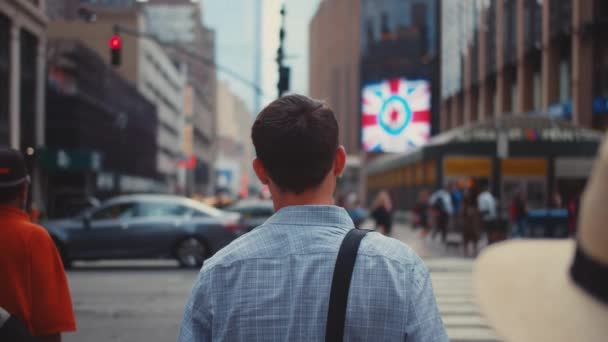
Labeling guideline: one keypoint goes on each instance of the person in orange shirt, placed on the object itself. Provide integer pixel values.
(33, 283)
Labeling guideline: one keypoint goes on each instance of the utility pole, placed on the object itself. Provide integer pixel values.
(257, 79)
(284, 71)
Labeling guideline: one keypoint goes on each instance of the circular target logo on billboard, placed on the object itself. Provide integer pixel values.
(395, 115)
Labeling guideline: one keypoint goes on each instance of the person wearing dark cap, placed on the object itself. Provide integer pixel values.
(33, 283)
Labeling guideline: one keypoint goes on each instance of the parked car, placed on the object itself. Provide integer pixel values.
(253, 212)
(68, 206)
(145, 226)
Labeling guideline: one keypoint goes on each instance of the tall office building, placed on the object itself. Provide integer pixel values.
(501, 57)
(235, 150)
(22, 78)
(179, 27)
(146, 65)
(334, 64)
(361, 43)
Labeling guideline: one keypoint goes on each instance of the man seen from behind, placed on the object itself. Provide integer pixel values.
(273, 284)
(33, 284)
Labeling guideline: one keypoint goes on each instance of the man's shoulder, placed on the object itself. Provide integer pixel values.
(254, 244)
(28, 230)
(393, 250)
(36, 236)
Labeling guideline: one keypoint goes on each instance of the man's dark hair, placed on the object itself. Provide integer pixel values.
(10, 194)
(296, 139)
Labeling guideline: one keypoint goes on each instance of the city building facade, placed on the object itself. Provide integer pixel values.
(145, 64)
(235, 150)
(375, 62)
(22, 75)
(334, 64)
(502, 57)
(73, 9)
(101, 132)
(178, 25)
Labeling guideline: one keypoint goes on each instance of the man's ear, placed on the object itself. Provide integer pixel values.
(260, 171)
(339, 161)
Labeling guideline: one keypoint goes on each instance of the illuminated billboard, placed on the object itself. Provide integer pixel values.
(396, 115)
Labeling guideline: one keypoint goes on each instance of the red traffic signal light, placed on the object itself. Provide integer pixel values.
(115, 46)
(115, 42)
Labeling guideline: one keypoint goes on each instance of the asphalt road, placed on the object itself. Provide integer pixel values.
(144, 300)
(128, 301)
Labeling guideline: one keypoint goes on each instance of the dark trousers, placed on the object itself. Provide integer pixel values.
(495, 229)
(441, 227)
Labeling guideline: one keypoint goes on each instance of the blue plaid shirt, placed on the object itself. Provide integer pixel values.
(273, 284)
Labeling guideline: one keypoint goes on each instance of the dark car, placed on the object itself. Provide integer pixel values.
(253, 212)
(145, 226)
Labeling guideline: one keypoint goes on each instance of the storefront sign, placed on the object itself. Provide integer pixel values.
(553, 134)
(74, 160)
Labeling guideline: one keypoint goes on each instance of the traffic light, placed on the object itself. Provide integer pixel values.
(115, 46)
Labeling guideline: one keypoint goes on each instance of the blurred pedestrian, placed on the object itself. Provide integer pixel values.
(556, 200)
(486, 203)
(421, 213)
(471, 227)
(285, 280)
(33, 284)
(573, 213)
(552, 290)
(457, 196)
(519, 215)
(354, 209)
(382, 213)
(441, 207)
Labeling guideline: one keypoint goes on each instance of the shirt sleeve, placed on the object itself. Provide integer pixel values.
(424, 322)
(51, 304)
(481, 203)
(196, 324)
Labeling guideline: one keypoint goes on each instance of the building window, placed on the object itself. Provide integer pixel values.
(490, 38)
(29, 50)
(536, 90)
(532, 24)
(560, 19)
(513, 96)
(509, 32)
(4, 79)
(564, 80)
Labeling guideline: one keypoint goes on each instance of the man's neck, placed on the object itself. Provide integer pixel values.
(12, 205)
(307, 198)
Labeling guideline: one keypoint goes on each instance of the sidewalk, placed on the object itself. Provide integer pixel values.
(430, 247)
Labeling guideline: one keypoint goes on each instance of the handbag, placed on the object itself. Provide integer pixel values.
(340, 285)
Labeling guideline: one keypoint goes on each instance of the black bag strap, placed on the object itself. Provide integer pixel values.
(340, 285)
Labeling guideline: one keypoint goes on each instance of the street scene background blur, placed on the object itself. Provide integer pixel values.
(444, 106)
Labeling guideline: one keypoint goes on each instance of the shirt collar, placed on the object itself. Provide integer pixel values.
(313, 215)
(12, 212)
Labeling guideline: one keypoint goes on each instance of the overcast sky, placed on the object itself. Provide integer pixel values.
(236, 39)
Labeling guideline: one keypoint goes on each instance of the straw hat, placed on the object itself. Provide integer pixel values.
(552, 290)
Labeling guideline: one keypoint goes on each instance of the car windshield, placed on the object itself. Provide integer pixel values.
(206, 209)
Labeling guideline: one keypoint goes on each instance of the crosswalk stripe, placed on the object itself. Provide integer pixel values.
(453, 289)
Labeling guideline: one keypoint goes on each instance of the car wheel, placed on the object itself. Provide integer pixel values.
(191, 253)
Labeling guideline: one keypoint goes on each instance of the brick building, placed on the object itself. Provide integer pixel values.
(501, 57)
(335, 62)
